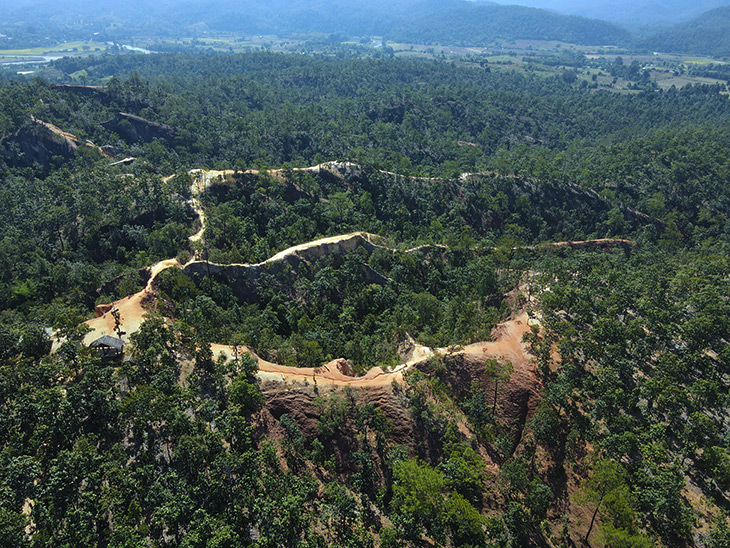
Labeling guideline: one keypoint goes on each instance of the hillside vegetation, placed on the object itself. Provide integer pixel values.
(449, 22)
(636, 13)
(481, 25)
(606, 426)
(706, 34)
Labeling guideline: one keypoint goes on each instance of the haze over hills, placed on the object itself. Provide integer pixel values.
(634, 12)
(482, 24)
(449, 21)
(707, 34)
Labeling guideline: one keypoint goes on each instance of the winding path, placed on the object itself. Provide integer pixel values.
(507, 336)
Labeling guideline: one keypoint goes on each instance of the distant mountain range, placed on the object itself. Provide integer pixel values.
(436, 21)
(455, 22)
(632, 12)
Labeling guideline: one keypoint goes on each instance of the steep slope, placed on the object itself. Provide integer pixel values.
(38, 142)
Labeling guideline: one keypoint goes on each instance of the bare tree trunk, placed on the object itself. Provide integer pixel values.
(494, 407)
(593, 518)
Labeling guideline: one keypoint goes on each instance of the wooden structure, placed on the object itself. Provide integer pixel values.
(108, 346)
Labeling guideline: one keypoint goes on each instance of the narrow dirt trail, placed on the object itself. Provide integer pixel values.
(507, 336)
(315, 248)
(202, 180)
(327, 374)
(507, 341)
(507, 344)
(131, 309)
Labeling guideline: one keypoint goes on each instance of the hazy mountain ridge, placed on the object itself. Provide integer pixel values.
(707, 34)
(482, 24)
(642, 12)
(472, 22)
(451, 21)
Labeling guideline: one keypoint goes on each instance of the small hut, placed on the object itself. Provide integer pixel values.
(108, 346)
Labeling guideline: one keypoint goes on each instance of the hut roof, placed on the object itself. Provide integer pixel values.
(108, 341)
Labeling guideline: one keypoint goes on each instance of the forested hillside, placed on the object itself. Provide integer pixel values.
(477, 205)
(418, 21)
(706, 34)
(409, 114)
(629, 12)
(479, 25)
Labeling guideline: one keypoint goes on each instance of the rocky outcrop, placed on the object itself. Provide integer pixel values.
(89, 91)
(306, 404)
(134, 128)
(243, 278)
(37, 143)
(342, 366)
(517, 397)
(501, 368)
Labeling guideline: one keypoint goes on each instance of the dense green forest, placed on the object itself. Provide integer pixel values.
(464, 176)
(412, 115)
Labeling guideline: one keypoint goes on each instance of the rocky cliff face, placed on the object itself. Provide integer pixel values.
(134, 128)
(37, 143)
(243, 278)
(300, 415)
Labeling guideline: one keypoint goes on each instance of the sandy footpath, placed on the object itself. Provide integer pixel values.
(507, 336)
